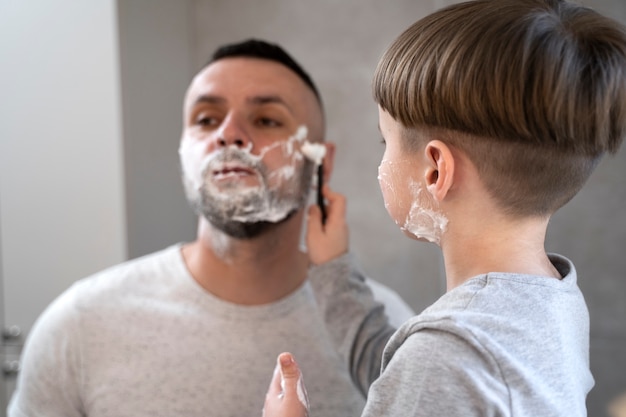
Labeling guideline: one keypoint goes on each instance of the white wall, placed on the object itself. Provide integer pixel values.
(61, 179)
(90, 114)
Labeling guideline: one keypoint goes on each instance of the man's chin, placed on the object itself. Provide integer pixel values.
(248, 230)
(240, 230)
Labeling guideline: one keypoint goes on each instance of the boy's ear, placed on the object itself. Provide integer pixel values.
(329, 161)
(439, 173)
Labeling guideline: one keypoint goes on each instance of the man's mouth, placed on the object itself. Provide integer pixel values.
(233, 171)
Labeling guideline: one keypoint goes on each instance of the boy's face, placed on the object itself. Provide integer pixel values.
(244, 120)
(401, 178)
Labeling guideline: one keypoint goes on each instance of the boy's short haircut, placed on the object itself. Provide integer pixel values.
(533, 91)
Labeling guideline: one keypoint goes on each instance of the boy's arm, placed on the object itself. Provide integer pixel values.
(434, 372)
(355, 321)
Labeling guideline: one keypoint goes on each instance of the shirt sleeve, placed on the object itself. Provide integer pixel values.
(49, 379)
(356, 322)
(437, 373)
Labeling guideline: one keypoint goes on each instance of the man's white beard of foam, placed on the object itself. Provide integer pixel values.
(264, 202)
(246, 204)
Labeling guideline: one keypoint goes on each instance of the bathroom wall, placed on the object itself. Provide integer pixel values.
(61, 180)
(90, 116)
(155, 66)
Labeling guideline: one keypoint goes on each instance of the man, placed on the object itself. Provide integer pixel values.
(174, 333)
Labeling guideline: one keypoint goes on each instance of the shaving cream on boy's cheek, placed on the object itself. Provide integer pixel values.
(393, 184)
(420, 216)
(425, 220)
(385, 182)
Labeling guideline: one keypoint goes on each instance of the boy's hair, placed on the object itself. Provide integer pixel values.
(533, 91)
(255, 48)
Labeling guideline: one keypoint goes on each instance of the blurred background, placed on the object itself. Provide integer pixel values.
(90, 117)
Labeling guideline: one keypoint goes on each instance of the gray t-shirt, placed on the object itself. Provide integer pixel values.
(144, 339)
(498, 345)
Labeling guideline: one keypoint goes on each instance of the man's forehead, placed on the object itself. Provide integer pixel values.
(250, 100)
(241, 69)
(252, 77)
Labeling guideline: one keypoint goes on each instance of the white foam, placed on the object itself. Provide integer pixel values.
(424, 219)
(314, 152)
(262, 202)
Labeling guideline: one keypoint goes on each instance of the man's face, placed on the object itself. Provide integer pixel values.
(244, 120)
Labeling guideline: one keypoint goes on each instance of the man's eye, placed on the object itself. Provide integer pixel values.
(382, 140)
(267, 122)
(206, 121)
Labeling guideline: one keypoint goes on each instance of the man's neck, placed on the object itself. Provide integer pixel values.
(252, 271)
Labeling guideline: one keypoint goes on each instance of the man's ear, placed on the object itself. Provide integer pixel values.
(439, 175)
(329, 161)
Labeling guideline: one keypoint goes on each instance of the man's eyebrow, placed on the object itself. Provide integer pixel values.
(209, 99)
(270, 99)
(255, 100)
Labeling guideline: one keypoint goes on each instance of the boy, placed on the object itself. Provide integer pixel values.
(494, 114)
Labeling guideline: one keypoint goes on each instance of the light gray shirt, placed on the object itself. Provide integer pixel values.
(498, 345)
(144, 339)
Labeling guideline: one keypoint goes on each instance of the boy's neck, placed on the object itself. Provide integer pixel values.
(497, 246)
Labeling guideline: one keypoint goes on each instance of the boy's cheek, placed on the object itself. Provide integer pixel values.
(391, 186)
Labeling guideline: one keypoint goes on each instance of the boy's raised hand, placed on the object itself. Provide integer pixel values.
(286, 396)
(328, 241)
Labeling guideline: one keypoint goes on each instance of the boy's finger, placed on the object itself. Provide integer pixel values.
(286, 375)
(315, 212)
(275, 388)
(336, 202)
(291, 379)
(289, 371)
(314, 219)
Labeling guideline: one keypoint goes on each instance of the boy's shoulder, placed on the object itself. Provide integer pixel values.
(496, 311)
(501, 334)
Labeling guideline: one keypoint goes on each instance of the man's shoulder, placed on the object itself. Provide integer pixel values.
(143, 272)
(396, 308)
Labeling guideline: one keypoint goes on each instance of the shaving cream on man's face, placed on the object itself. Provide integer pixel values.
(232, 184)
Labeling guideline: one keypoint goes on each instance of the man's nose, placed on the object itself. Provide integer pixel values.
(232, 132)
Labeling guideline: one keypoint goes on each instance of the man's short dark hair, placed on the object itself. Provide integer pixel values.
(255, 48)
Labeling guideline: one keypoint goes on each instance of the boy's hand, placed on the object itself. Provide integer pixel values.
(329, 241)
(286, 396)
